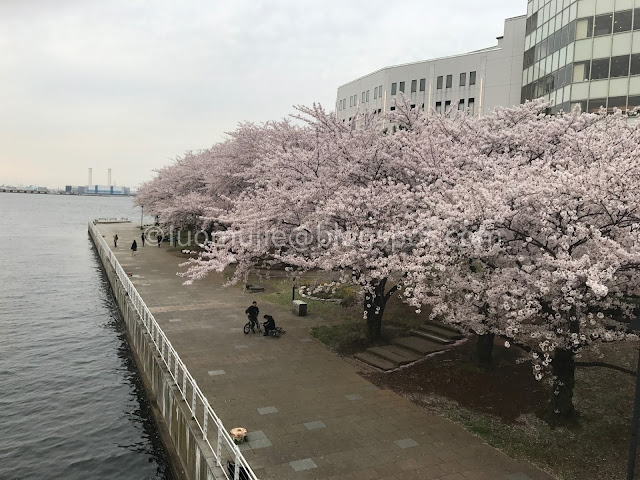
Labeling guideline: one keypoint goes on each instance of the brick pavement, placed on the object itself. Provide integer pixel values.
(308, 412)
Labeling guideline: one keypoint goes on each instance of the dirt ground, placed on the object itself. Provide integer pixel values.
(507, 390)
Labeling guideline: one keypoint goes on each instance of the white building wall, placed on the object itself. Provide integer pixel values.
(498, 77)
(504, 67)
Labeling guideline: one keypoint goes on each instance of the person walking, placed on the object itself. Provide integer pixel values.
(253, 312)
(115, 240)
(142, 237)
(159, 240)
(134, 247)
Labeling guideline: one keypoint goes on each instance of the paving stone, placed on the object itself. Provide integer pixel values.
(267, 410)
(241, 347)
(255, 440)
(315, 425)
(175, 320)
(213, 373)
(305, 464)
(406, 443)
(354, 396)
(256, 435)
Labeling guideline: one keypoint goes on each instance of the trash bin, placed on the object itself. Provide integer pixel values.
(299, 308)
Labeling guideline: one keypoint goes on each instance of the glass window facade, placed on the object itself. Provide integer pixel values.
(577, 53)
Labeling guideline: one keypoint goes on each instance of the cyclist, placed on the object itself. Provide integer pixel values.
(253, 312)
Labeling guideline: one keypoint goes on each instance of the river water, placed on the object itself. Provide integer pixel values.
(71, 401)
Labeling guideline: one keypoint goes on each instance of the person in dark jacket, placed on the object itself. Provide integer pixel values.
(159, 240)
(134, 247)
(253, 311)
(143, 238)
(269, 325)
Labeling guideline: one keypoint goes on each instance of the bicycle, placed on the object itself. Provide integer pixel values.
(276, 332)
(250, 325)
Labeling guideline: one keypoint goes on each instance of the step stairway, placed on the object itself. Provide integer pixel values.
(428, 338)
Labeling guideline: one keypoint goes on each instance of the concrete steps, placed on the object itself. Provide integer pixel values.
(426, 339)
(398, 355)
(442, 330)
(375, 361)
(432, 337)
(418, 345)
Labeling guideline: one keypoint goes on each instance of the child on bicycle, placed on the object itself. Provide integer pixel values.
(253, 312)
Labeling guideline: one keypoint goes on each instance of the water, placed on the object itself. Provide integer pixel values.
(71, 402)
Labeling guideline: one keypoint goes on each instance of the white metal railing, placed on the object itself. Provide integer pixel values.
(199, 407)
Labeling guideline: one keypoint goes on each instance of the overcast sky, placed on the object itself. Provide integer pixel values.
(130, 85)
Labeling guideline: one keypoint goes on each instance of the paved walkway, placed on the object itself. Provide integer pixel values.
(309, 413)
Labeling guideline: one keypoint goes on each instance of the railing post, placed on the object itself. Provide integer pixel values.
(184, 383)
(205, 422)
(193, 396)
(219, 446)
(236, 473)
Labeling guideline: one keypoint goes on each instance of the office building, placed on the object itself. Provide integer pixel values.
(583, 52)
(478, 81)
(568, 52)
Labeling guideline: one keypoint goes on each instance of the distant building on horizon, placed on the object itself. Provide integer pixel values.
(97, 190)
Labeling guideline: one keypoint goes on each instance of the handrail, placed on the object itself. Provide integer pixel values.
(178, 371)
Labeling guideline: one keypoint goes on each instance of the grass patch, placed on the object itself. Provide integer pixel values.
(316, 308)
(344, 338)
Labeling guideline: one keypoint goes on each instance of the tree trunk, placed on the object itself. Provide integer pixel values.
(374, 304)
(484, 349)
(564, 380)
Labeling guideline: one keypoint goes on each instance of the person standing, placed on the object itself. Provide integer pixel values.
(134, 247)
(115, 240)
(253, 312)
(159, 239)
(142, 237)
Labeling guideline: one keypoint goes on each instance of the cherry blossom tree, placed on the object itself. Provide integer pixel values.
(561, 194)
(199, 187)
(328, 195)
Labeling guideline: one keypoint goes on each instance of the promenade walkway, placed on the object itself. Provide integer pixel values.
(309, 414)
